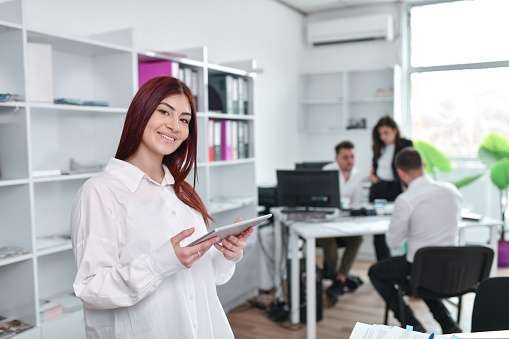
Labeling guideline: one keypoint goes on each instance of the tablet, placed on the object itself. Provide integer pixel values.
(237, 228)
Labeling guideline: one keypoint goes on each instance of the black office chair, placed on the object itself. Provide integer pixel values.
(444, 272)
(491, 305)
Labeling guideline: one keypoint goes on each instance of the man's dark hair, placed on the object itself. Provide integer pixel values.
(344, 144)
(408, 159)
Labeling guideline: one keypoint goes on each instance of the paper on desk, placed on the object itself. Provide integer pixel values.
(365, 331)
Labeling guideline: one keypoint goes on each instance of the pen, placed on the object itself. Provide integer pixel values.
(431, 336)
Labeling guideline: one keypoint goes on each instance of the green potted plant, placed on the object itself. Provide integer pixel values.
(494, 153)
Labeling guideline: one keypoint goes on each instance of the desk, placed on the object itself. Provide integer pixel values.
(310, 231)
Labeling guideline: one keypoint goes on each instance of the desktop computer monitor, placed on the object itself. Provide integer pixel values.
(317, 165)
(310, 188)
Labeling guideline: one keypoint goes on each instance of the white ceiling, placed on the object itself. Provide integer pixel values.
(311, 6)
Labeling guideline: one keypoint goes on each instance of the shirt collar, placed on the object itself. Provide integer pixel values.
(131, 176)
(424, 179)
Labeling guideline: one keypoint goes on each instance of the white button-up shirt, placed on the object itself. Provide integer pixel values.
(351, 189)
(426, 214)
(129, 279)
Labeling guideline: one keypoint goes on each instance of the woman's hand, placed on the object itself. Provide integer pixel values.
(188, 255)
(232, 246)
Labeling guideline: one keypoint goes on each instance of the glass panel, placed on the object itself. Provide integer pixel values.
(459, 32)
(455, 110)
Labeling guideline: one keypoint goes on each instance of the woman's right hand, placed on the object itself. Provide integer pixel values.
(374, 179)
(188, 255)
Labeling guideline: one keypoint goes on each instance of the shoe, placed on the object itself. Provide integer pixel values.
(334, 291)
(353, 282)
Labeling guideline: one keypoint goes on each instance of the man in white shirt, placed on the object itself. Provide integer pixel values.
(426, 214)
(350, 190)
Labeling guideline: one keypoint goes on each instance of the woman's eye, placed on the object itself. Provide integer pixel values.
(185, 121)
(162, 111)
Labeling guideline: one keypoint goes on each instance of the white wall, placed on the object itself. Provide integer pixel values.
(231, 29)
(355, 56)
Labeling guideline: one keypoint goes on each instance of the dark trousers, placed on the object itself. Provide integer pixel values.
(382, 276)
(387, 190)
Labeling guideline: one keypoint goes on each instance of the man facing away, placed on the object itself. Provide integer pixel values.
(426, 214)
(350, 190)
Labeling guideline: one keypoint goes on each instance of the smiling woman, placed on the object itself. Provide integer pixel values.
(131, 225)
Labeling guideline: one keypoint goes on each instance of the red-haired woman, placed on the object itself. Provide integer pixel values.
(130, 226)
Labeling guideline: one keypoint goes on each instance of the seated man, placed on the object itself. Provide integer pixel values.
(351, 190)
(426, 214)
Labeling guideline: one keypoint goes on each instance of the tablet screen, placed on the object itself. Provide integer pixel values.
(235, 229)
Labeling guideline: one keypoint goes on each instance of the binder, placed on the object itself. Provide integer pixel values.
(211, 139)
(235, 95)
(241, 140)
(235, 140)
(226, 140)
(149, 70)
(217, 140)
(221, 93)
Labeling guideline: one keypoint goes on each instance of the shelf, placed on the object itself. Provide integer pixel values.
(149, 56)
(323, 101)
(8, 26)
(13, 104)
(370, 100)
(214, 115)
(218, 69)
(231, 162)
(13, 182)
(18, 258)
(75, 45)
(229, 205)
(65, 177)
(55, 249)
(77, 108)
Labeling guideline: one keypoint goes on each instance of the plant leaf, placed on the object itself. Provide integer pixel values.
(494, 147)
(467, 180)
(433, 157)
(500, 174)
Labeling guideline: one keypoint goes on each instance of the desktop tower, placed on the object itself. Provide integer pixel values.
(302, 290)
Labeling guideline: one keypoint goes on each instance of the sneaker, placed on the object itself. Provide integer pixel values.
(334, 291)
(353, 282)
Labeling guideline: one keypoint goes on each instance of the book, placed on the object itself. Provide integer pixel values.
(149, 70)
(221, 93)
(210, 140)
(10, 327)
(235, 95)
(241, 147)
(226, 140)
(217, 140)
(235, 140)
(11, 251)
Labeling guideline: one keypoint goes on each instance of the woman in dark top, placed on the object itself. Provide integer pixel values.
(385, 183)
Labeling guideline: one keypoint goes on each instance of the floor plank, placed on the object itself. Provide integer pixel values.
(363, 305)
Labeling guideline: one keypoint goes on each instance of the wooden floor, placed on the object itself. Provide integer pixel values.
(363, 305)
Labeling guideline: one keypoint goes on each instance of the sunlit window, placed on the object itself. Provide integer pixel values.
(460, 74)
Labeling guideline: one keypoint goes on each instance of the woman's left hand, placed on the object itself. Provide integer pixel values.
(232, 246)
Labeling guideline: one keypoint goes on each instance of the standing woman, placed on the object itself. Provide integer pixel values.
(385, 183)
(130, 226)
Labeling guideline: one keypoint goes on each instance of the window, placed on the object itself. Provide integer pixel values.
(459, 74)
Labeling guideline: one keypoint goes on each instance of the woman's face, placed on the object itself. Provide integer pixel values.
(168, 126)
(387, 134)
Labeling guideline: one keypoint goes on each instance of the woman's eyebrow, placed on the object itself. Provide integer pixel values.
(173, 109)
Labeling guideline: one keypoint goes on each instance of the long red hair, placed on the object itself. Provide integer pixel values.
(181, 162)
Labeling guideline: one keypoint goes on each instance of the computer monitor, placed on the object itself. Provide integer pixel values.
(317, 165)
(310, 188)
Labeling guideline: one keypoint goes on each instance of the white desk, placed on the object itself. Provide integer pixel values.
(310, 231)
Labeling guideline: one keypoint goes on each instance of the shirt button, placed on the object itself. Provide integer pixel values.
(173, 212)
(194, 325)
(191, 297)
(162, 189)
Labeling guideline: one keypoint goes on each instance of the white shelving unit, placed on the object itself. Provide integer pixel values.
(38, 138)
(344, 101)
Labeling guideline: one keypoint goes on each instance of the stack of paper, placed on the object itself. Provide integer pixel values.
(49, 310)
(365, 331)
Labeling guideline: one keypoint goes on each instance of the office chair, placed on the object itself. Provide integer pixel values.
(491, 305)
(444, 272)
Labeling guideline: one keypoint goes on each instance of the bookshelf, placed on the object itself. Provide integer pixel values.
(348, 101)
(47, 151)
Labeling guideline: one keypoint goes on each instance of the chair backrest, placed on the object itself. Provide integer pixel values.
(491, 305)
(449, 271)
